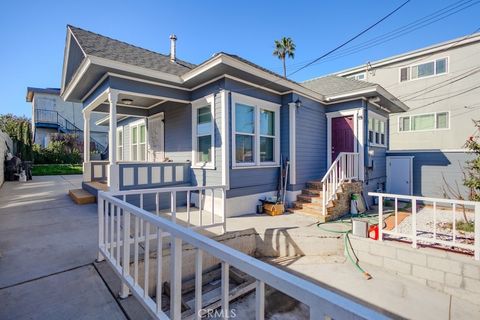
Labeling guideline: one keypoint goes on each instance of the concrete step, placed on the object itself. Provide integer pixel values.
(309, 198)
(312, 192)
(314, 184)
(80, 196)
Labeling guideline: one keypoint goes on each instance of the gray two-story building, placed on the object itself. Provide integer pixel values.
(441, 86)
(51, 114)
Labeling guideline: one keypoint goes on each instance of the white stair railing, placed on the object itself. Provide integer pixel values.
(344, 167)
(121, 233)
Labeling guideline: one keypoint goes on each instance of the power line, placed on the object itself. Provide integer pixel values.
(434, 14)
(396, 34)
(440, 85)
(413, 26)
(449, 97)
(351, 39)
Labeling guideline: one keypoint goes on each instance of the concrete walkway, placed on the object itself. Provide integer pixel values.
(47, 250)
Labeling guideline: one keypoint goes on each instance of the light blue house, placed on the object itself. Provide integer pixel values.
(224, 122)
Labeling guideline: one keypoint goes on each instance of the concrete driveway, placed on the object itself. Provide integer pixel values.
(47, 250)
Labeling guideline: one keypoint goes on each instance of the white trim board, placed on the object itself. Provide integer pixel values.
(257, 104)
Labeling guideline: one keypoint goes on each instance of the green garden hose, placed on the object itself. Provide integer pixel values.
(346, 240)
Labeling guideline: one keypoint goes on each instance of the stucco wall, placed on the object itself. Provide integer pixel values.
(450, 96)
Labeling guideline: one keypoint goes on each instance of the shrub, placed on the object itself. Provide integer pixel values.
(20, 131)
(62, 149)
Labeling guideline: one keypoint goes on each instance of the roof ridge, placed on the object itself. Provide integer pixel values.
(187, 64)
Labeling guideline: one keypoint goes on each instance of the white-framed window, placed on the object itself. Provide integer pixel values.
(255, 132)
(422, 70)
(138, 141)
(119, 143)
(357, 76)
(424, 122)
(203, 133)
(377, 130)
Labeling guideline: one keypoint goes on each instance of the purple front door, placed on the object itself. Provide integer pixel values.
(342, 135)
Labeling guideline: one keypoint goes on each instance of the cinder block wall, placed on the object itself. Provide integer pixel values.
(449, 272)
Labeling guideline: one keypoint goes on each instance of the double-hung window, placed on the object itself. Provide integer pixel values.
(138, 136)
(427, 69)
(120, 144)
(203, 146)
(255, 132)
(244, 133)
(424, 122)
(376, 130)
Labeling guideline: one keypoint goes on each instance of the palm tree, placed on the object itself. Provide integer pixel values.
(284, 48)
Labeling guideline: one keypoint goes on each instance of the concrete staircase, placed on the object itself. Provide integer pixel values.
(309, 202)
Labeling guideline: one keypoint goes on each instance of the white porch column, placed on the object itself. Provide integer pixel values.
(86, 147)
(113, 172)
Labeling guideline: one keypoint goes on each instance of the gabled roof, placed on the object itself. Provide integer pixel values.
(97, 45)
(333, 85)
(337, 88)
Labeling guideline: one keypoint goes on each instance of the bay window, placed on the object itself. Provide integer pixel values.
(255, 132)
(245, 133)
(120, 144)
(376, 130)
(203, 124)
(138, 136)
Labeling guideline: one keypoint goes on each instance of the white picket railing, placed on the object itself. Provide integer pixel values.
(120, 232)
(344, 167)
(432, 208)
(206, 197)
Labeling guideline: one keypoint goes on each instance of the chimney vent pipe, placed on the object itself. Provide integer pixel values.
(173, 48)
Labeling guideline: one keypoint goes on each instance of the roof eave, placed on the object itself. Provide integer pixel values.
(235, 63)
(393, 104)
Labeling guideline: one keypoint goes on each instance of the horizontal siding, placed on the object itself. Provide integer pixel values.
(311, 141)
(431, 168)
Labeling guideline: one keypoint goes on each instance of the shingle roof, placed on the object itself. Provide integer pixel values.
(104, 47)
(330, 85)
(253, 65)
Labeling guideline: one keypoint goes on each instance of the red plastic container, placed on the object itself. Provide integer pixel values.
(373, 232)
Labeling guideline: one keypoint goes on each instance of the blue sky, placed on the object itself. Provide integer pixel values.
(32, 33)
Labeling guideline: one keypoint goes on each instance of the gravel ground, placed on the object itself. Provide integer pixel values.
(444, 217)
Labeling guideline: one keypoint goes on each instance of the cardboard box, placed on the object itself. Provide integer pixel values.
(273, 209)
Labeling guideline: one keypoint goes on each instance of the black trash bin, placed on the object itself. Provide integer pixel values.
(27, 166)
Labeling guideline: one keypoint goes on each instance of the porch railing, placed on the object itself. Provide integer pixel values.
(120, 233)
(435, 223)
(343, 168)
(209, 200)
(98, 170)
(153, 174)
